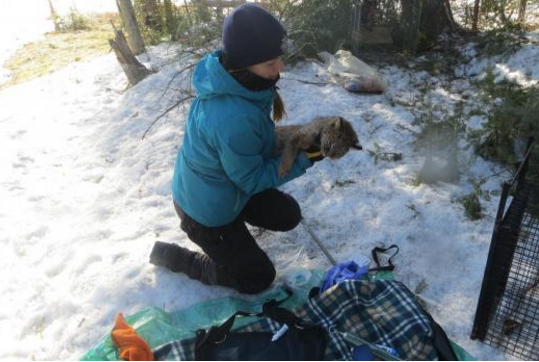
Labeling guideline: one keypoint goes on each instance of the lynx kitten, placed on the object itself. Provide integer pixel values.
(334, 136)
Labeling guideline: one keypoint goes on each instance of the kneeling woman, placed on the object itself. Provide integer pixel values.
(224, 174)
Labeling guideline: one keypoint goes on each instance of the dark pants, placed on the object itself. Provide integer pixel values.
(235, 259)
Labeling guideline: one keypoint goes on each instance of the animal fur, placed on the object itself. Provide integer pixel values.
(334, 136)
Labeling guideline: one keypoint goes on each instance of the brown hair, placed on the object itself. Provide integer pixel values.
(278, 107)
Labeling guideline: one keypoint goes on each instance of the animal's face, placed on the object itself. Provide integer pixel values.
(337, 137)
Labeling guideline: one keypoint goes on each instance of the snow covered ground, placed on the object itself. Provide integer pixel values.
(84, 199)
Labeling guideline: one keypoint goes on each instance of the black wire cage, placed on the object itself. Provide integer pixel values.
(507, 315)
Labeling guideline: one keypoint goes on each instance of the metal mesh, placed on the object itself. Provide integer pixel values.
(515, 322)
(507, 314)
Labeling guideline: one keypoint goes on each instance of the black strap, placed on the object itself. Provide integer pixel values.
(313, 338)
(390, 266)
(281, 315)
(315, 146)
(442, 344)
(218, 333)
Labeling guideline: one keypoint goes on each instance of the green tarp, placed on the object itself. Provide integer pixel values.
(158, 327)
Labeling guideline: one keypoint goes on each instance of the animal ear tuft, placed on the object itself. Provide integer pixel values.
(338, 123)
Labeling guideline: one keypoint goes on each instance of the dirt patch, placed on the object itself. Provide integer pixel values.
(60, 49)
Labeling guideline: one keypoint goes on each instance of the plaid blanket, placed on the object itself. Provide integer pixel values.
(383, 312)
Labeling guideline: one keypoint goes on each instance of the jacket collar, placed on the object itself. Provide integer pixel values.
(211, 79)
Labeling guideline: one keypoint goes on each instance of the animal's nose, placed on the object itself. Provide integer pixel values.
(357, 147)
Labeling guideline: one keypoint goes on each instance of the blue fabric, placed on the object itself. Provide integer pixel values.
(251, 35)
(362, 353)
(226, 155)
(344, 271)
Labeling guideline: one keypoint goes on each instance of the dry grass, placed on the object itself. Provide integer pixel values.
(59, 49)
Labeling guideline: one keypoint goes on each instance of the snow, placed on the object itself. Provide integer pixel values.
(84, 198)
(521, 67)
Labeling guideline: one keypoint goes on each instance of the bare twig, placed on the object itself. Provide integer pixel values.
(114, 27)
(284, 11)
(508, 170)
(190, 66)
(308, 81)
(166, 111)
(300, 49)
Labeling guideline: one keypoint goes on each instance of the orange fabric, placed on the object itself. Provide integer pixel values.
(132, 347)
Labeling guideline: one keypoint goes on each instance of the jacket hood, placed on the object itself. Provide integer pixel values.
(211, 79)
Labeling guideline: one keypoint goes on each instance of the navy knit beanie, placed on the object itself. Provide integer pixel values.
(251, 35)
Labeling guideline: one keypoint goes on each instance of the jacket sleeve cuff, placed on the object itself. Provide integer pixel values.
(303, 161)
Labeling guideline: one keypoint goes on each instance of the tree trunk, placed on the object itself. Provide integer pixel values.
(127, 13)
(133, 69)
(423, 21)
(220, 12)
(522, 10)
(188, 13)
(54, 16)
(475, 17)
(170, 19)
(411, 17)
(434, 20)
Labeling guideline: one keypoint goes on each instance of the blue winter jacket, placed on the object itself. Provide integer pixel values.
(226, 155)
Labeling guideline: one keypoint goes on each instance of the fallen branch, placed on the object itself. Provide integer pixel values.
(165, 112)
